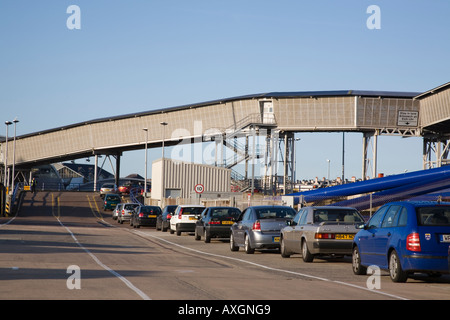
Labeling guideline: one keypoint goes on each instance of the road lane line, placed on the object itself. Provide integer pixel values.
(273, 269)
(101, 264)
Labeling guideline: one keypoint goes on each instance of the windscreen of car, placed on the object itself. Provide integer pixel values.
(192, 210)
(224, 213)
(433, 216)
(155, 210)
(130, 206)
(274, 212)
(337, 215)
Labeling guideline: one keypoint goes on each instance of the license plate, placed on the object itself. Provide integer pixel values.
(275, 239)
(152, 215)
(339, 236)
(227, 222)
(192, 218)
(445, 237)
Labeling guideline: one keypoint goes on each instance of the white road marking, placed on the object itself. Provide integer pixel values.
(123, 279)
(273, 269)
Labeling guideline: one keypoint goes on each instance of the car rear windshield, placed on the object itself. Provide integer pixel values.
(113, 197)
(156, 210)
(224, 213)
(433, 216)
(130, 206)
(274, 212)
(192, 210)
(337, 215)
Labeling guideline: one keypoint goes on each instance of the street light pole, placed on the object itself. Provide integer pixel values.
(163, 187)
(145, 179)
(5, 178)
(15, 121)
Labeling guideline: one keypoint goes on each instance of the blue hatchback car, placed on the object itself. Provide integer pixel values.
(405, 237)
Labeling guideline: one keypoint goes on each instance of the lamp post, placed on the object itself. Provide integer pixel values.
(145, 179)
(163, 187)
(15, 121)
(328, 160)
(5, 178)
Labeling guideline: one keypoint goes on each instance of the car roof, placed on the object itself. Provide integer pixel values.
(269, 206)
(420, 203)
(191, 205)
(331, 207)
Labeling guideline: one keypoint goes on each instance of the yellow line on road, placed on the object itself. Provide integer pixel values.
(96, 210)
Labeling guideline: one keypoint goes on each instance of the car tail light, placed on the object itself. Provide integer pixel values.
(141, 214)
(256, 225)
(413, 242)
(324, 236)
(214, 222)
(180, 213)
(168, 216)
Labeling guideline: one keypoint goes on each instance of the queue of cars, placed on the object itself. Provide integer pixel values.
(401, 237)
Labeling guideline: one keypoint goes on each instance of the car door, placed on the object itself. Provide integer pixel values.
(367, 235)
(203, 221)
(238, 227)
(383, 234)
(287, 231)
(296, 242)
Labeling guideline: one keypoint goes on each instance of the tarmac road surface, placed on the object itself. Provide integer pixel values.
(62, 245)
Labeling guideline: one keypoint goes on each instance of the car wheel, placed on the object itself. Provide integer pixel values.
(357, 267)
(197, 236)
(207, 236)
(171, 230)
(247, 247)
(233, 246)
(395, 269)
(306, 254)
(283, 249)
(178, 231)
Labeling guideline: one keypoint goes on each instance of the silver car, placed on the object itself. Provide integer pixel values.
(126, 212)
(117, 210)
(323, 230)
(259, 227)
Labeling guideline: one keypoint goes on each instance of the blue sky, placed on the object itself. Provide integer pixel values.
(136, 55)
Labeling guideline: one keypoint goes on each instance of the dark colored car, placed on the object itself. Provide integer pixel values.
(111, 201)
(145, 216)
(163, 220)
(405, 237)
(215, 222)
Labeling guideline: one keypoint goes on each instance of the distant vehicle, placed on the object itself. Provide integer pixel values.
(317, 231)
(259, 227)
(111, 201)
(215, 222)
(184, 218)
(145, 216)
(405, 237)
(126, 212)
(163, 220)
(117, 210)
(125, 188)
(107, 188)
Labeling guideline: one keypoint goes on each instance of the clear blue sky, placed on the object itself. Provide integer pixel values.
(136, 55)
